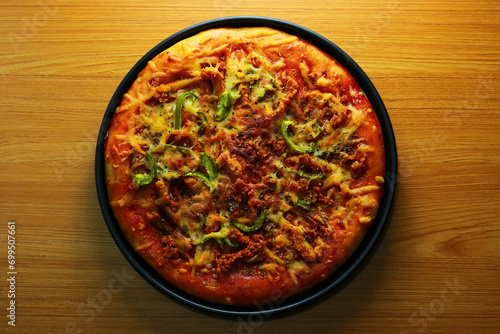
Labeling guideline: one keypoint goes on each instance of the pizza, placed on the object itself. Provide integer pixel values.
(244, 164)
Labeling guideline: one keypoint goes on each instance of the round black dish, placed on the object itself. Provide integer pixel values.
(373, 234)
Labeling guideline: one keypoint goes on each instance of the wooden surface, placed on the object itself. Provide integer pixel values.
(436, 64)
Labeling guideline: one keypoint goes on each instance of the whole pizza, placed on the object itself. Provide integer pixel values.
(244, 164)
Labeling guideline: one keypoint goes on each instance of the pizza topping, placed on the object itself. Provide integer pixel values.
(293, 146)
(222, 234)
(304, 204)
(182, 149)
(203, 178)
(144, 180)
(178, 107)
(210, 168)
(245, 163)
(225, 103)
(209, 164)
(256, 225)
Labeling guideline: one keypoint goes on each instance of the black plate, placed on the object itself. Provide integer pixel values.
(373, 234)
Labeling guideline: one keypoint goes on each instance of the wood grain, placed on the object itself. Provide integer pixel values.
(435, 64)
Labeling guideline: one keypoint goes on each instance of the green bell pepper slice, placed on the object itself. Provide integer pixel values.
(257, 224)
(178, 108)
(144, 180)
(296, 148)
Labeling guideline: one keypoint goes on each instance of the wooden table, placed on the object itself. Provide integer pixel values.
(436, 64)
